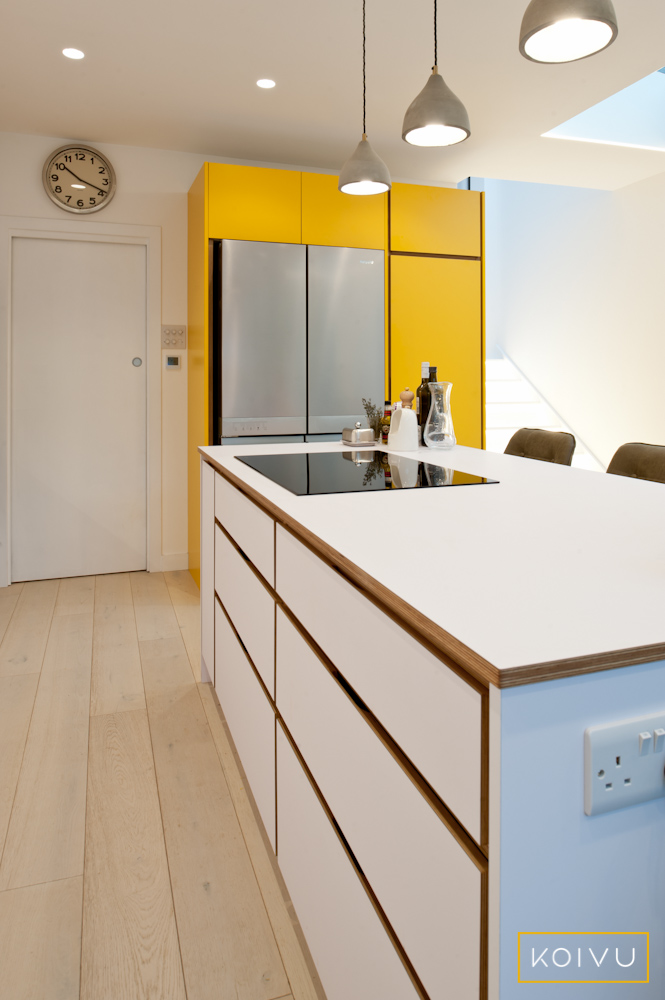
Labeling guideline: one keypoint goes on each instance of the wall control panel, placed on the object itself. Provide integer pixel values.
(174, 336)
(624, 763)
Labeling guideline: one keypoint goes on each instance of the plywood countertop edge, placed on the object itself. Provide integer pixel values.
(460, 657)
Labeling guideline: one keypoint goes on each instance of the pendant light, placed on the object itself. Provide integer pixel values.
(437, 117)
(558, 31)
(364, 172)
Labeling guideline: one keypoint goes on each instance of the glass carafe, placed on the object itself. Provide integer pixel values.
(439, 431)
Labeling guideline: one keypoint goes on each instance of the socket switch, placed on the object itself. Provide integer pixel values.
(174, 336)
(624, 763)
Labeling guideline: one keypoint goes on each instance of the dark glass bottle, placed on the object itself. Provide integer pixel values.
(422, 398)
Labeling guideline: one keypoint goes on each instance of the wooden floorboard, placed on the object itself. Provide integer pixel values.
(46, 829)
(130, 946)
(155, 615)
(117, 681)
(17, 697)
(40, 938)
(8, 598)
(24, 643)
(76, 596)
(226, 941)
(165, 664)
(301, 976)
(171, 905)
(186, 602)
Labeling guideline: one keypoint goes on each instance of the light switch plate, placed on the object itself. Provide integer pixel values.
(174, 336)
(624, 763)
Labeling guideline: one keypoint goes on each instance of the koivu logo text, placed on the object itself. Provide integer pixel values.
(588, 957)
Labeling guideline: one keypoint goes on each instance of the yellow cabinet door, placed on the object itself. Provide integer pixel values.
(435, 220)
(436, 312)
(332, 219)
(253, 203)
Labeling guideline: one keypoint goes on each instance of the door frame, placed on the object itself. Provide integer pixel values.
(13, 227)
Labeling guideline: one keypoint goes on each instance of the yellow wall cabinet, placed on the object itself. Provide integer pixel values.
(434, 305)
(332, 219)
(435, 220)
(252, 203)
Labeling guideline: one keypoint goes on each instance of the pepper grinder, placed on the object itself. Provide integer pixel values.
(403, 434)
(407, 398)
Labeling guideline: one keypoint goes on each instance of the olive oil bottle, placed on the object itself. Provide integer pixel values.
(423, 399)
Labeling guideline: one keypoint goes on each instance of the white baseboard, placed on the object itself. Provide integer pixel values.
(175, 560)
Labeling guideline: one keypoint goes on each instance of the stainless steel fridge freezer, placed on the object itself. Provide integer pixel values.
(297, 340)
(345, 335)
(263, 317)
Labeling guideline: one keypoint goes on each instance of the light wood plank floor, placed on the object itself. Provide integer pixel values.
(132, 866)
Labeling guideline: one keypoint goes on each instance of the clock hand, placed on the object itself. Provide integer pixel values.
(87, 183)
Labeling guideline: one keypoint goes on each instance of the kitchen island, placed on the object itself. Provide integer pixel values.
(408, 679)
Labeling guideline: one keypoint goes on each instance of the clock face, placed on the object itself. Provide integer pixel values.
(79, 179)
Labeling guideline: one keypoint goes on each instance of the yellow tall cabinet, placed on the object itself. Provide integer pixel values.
(432, 239)
(436, 297)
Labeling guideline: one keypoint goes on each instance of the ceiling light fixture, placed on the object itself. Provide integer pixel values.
(73, 53)
(558, 31)
(364, 172)
(437, 117)
(266, 84)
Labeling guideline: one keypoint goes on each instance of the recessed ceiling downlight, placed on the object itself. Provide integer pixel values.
(73, 53)
(266, 84)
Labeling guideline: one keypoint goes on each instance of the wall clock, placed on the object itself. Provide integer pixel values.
(79, 179)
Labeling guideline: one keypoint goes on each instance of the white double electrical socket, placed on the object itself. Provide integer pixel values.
(624, 763)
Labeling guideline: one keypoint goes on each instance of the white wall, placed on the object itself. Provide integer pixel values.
(152, 190)
(575, 298)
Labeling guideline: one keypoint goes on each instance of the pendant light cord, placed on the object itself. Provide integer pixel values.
(436, 61)
(364, 67)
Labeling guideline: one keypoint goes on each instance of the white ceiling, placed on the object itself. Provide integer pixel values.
(182, 76)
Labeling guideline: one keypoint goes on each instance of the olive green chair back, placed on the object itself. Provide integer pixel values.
(640, 461)
(546, 446)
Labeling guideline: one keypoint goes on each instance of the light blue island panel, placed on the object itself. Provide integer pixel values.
(563, 871)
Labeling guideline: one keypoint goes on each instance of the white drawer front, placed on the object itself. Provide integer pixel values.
(432, 714)
(253, 530)
(351, 951)
(428, 886)
(249, 716)
(249, 606)
(207, 583)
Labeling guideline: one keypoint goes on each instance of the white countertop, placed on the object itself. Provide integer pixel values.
(551, 563)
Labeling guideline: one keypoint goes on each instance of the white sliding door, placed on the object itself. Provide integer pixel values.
(78, 408)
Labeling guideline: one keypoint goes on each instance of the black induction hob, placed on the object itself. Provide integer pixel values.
(355, 471)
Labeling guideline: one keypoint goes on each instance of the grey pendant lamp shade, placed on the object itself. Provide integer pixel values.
(364, 172)
(437, 117)
(558, 31)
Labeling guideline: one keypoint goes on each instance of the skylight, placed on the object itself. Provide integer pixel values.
(633, 117)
